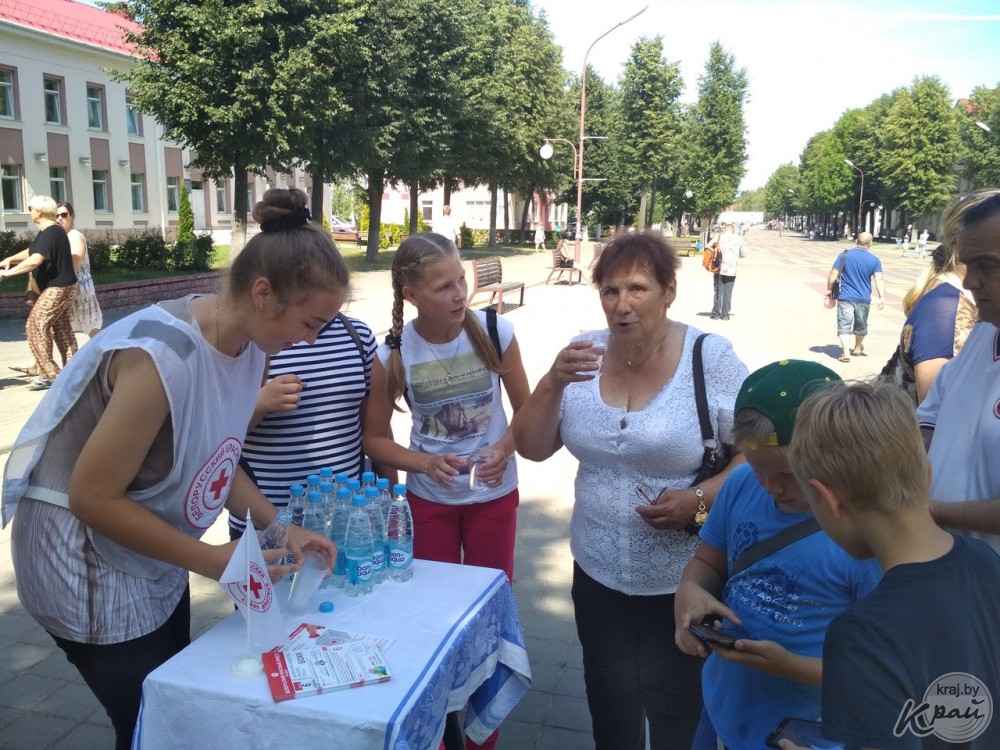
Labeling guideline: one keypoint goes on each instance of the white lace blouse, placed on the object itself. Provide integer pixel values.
(659, 447)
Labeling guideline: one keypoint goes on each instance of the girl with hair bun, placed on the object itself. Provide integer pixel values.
(134, 452)
(447, 368)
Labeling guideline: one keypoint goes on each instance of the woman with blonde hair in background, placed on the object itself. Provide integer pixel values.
(940, 313)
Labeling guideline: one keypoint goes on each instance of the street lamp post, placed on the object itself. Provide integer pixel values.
(579, 152)
(861, 197)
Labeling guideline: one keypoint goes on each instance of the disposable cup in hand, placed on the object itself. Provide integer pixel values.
(307, 579)
(474, 460)
(598, 345)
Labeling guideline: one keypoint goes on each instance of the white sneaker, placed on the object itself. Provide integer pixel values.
(39, 384)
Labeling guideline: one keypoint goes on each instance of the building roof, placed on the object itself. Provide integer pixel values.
(70, 20)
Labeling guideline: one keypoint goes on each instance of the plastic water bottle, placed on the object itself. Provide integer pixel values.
(341, 479)
(399, 531)
(358, 542)
(329, 503)
(367, 480)
(384, 496)
(312, 483)
(297, 503)
(354, 485)
(315, 515)
(338, 532)
(325, 474)
(275, 536)
(378, 534)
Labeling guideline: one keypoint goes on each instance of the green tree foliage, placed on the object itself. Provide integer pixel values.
(825, 179)
(750, 200)
(981, 149)
(919, 147)
(649, 117)
(234, 81)
(719, 145)
(185, 215)
(781, 192)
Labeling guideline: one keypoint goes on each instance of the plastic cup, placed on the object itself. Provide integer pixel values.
(474, 459)
(598, 345)
(306, 580)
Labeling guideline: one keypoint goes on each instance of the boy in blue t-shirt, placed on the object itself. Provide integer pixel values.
(782, 603)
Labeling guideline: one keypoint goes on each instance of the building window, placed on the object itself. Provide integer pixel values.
(11, 177)
(53, 101)
(100, 190)
(220, 197)
(57, 183)
(173, 194)
(7, 93)
(138, 204)
(95, 107)
(133, 119)
(427, 210)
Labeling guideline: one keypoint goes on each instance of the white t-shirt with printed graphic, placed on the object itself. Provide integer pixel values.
(456, 407)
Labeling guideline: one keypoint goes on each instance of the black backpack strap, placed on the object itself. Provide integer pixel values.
(353, 333)
(491, 327)
(769, 546)
(700, 397)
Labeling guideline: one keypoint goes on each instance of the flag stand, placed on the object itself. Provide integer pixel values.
(247, 666)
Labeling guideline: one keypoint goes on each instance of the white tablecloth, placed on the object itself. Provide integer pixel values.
(457, 638)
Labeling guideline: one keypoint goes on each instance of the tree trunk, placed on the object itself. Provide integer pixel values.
(447, 190)
(506, 215)
(494, 189)
(376, 183)
(316, 198)
(239, 234)
(414, 195)
(524, 216)
(643, 198)
(652, 203)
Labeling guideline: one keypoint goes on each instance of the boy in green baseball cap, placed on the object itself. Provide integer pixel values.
(766, 571)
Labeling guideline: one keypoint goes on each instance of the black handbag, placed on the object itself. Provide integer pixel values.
(716, 456)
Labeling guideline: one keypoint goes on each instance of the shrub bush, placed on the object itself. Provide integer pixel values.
(143, 250)
(192, 255)
(185, 216)
(12, 242)
(468, 236)
(99, 250)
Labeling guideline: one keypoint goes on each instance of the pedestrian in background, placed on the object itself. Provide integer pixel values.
(85, 314)
(730, 249)
(858, 270)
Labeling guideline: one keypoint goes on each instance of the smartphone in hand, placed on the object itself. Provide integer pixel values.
(803, 733)
(712, 636)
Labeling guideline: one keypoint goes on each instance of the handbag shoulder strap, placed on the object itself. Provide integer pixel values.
(700, 397)
(840, 262)
(772, 544)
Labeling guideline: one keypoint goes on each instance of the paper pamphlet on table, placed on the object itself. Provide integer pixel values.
(308, 635)
(305, 672)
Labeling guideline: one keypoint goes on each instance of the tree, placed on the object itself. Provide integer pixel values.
(781, 191)
(750, 200)
(919, 147)
(185, 216)
(719, 147)
(981, 149)
(230, 80)
(650, 116)
(825, 178)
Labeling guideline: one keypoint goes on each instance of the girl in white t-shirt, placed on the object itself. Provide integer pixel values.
(448, 368)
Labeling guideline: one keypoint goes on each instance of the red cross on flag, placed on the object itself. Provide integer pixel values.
(247, 582)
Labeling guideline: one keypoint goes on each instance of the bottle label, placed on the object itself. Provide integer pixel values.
(400, 555)
(378, 558)
(359, 570)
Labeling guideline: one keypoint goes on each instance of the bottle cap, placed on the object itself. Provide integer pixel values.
(312, 479)
(314, 496)
(358, 500)
(382, 483)
(399, 489)
(368, 476)
(343, 493)
(326, 607)
(296, 489)
(326, 472)
(326, 487)
(371, 491)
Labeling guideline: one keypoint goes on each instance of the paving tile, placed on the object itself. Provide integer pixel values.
(86, 737)
(518, 735)
(569, 712)
(19, 657)
(556, 738)
(545, 677)
(547, 650)
(74, 702)
(25, 691)
(31, 731)
(533, 707)
(570, 682)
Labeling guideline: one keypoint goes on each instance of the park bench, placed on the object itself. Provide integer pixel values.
(487, 276)
(557, 269)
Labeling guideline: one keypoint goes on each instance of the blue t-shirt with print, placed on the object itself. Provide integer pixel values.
(857, 268)
(788, 597)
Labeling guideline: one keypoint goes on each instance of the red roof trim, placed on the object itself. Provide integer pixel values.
(70, 20)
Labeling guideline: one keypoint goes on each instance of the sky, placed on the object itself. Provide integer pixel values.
(807, 61)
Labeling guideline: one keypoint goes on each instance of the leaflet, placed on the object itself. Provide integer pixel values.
(305, 672)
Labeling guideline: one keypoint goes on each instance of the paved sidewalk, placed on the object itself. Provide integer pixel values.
(777, 313)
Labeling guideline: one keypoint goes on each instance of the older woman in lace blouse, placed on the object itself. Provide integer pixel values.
(633, 424)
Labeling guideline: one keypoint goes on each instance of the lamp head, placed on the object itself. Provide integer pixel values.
(545, 151)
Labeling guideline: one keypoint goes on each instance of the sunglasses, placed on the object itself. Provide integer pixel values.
(62, 216)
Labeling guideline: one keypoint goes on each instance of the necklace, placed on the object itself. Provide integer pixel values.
(634, 366)
(450, 377)
(218, 333)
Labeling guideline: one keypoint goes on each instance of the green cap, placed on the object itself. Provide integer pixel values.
(778, 389)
